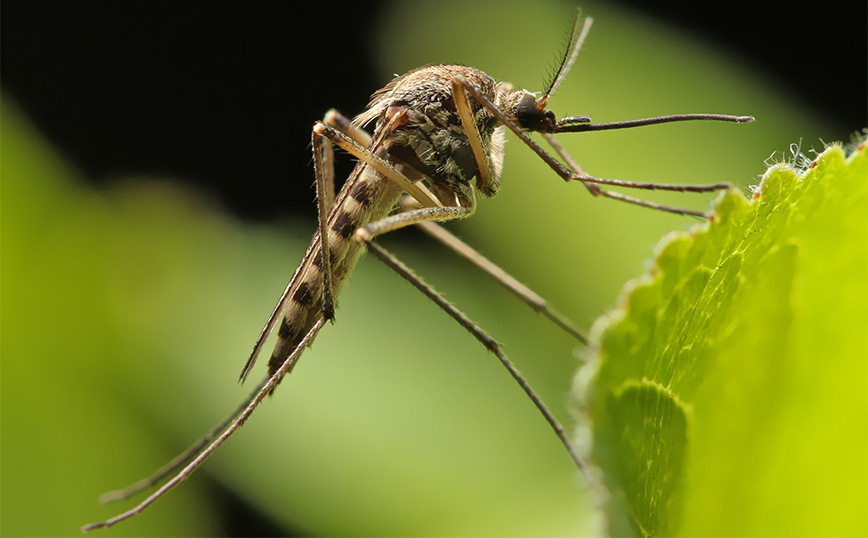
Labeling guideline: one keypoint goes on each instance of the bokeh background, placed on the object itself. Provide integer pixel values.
(156, 197)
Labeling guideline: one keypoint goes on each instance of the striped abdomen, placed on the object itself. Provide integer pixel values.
(367, 196)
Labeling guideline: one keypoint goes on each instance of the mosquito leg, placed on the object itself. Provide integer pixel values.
(574, 166)
(335, 119)
(528, 296)
(235, 421)
(409, 218)
(389, 259)
(323, 165)
(653, 205)
(485, 181)
(182, 458)
(327, 154)
(379, 164)
(596, 190)
(343, 124)
(537, 303)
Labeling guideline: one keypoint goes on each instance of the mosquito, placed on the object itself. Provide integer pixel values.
(438, 128)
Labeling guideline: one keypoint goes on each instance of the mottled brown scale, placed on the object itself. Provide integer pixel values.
(427, 141)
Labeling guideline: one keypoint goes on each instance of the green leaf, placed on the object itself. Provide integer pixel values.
(728, 394)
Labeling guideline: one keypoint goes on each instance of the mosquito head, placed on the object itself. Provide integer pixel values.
(527, 109)
(531, 114)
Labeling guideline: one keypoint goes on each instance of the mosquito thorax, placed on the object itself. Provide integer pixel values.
(430, 137)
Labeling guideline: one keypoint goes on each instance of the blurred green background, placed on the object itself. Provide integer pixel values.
(127, 312)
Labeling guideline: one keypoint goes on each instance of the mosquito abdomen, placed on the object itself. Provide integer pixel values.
(366, 196)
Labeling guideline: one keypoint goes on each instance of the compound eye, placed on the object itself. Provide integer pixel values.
(528, 113)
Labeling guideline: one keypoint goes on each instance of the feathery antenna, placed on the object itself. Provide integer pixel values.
(571, 52)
